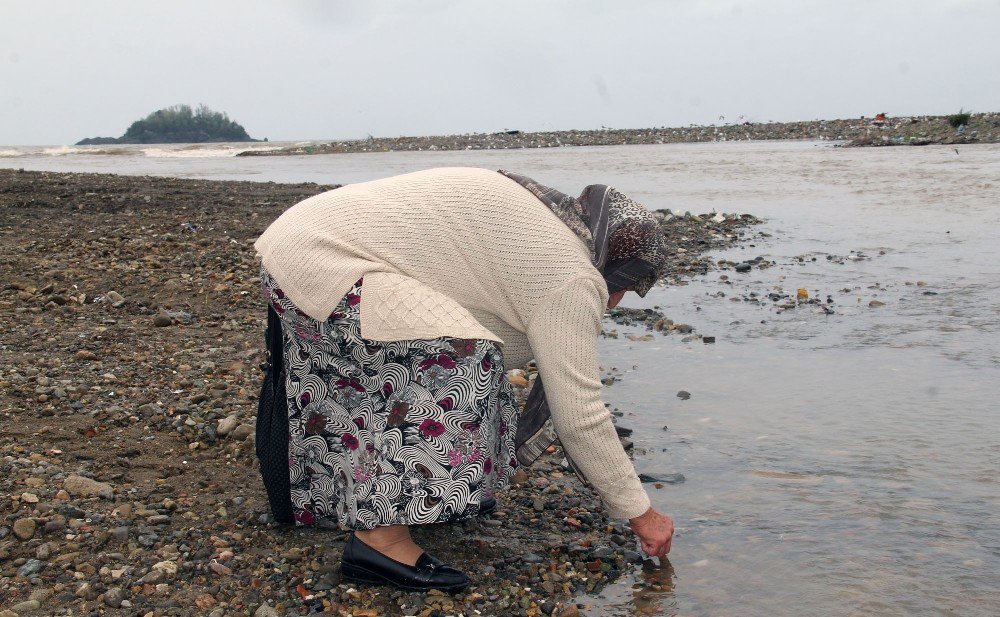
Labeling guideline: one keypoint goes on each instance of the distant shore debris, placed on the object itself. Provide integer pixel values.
(883, 130)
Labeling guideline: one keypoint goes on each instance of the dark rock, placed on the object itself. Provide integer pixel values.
(114, 597)
(683, 395)
(632, 556)
(162, 321)
(622, 431)
(666, 478)
(31, 567)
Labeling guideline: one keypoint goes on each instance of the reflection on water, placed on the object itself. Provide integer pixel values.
(835, 464)
(653, 589)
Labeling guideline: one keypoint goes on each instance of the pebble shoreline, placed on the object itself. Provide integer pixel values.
(894, 131)
(128, 383)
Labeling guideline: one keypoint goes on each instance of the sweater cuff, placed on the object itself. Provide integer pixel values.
(626, 503)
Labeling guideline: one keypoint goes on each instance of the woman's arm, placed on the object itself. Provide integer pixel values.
(563, 332)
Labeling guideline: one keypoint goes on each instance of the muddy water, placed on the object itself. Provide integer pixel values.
(835, 464)
(842, 464)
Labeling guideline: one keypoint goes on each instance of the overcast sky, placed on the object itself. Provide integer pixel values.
(320, 69)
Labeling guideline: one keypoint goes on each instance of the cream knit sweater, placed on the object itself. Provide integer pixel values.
(466, 253)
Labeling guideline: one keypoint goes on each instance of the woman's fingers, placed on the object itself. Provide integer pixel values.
(656, 550)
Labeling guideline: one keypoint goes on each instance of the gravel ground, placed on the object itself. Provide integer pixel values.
(894, 131)
(128, 380)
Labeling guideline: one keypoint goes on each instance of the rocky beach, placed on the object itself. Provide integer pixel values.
(128, 383)
(875, 131)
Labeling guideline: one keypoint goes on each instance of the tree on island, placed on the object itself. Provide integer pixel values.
(178, 124)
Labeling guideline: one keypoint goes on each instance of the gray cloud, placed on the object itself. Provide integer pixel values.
(317, 69)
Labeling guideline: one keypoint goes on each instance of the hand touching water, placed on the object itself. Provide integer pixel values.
(655, 531)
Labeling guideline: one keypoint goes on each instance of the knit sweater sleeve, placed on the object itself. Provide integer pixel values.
(563, 334)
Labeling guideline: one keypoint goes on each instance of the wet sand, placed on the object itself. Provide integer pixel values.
(133, 330)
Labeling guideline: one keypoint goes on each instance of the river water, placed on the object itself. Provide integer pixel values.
(835, 464)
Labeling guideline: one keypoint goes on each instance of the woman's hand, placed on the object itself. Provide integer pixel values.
(655, 531)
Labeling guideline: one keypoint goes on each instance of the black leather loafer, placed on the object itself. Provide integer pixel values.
(363, 564)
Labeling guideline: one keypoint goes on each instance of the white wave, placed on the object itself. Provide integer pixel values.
(112, 151)
(203, 150)
(7, 154)
(63, 151)
(190, 152)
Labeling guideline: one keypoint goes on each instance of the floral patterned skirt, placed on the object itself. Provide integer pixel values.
(391, 433)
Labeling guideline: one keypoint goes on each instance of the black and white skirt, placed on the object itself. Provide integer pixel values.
(398, 433)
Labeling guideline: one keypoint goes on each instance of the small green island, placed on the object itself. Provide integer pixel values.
(178, 124)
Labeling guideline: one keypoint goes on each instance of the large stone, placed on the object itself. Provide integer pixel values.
(114, 596)
(78, 486)
(26, 607)
(243, 431)
(153, 577)
(168, 567)
(227, 424)
(114, 298)
(24, 528)
(162, 321)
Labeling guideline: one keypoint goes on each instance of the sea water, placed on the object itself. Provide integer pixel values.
(838, 461)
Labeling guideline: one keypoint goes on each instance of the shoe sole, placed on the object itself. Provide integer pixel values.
(357, 574)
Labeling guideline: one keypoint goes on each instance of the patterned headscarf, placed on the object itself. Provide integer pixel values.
(625, 240)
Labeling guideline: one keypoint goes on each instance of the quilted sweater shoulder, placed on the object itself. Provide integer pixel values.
(395, 307)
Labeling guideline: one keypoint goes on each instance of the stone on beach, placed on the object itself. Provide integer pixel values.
(227, 424)
(24, 528)
(26, 606)
(241, 432)
(79, 486)
(114, 298)
(162, 321)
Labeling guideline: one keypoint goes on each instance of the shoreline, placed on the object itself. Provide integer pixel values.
(128, 480)
(863, 132)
